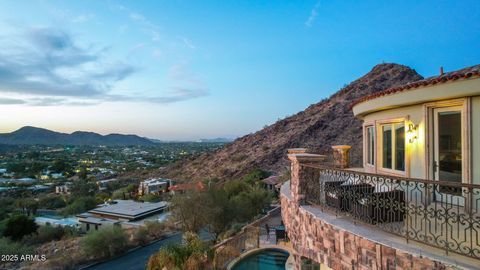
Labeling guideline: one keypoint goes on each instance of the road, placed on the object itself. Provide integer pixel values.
(136, 260)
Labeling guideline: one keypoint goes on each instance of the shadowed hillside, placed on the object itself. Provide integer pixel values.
(34, 135)
(329, 122)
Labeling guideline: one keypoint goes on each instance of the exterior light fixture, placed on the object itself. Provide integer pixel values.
(412, 133)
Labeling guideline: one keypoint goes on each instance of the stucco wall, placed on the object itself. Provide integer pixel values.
(416, 150)
(476, 140)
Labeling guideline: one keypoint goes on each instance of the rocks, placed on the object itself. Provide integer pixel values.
(329, 122)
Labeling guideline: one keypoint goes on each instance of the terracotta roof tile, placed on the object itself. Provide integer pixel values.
(465, 73)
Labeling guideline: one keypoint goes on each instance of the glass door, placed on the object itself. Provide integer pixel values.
(448, 156)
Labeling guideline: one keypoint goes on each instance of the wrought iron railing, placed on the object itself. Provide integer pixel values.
(438, 213)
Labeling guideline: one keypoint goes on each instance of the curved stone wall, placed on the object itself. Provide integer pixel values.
(336, 248)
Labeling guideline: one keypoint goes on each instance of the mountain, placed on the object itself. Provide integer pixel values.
(326, 123)
(33, 135)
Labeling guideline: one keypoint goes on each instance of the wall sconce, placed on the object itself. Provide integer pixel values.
(412, 133)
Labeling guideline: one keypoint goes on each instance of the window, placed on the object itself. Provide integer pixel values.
(370, 145)
(393, 146)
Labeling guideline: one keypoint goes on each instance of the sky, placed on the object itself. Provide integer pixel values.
(182, 70)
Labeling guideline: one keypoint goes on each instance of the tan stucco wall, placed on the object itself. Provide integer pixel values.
(416, 150)
(476, 140)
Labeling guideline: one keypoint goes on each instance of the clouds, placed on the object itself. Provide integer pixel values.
(45, 66)
(313, 15)
(46, 61)
(11, 101)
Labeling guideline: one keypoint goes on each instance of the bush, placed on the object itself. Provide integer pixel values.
(18, 226)
(155, 229)
(140, 236)
(255, 176)
(105, 243)
(151, 198)
(49, 233)
(191, 255)
(13, 248)
(79, 205)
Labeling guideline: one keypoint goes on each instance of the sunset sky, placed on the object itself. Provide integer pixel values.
(202, 69)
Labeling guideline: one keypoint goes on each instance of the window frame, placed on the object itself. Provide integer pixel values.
(379, 152)
(366, 164)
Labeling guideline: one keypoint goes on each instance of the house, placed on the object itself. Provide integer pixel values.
(272, 183)
(154, 186)
(125, 213)
(63, 189)
(103, 184)
(415, 203)
(181, 188)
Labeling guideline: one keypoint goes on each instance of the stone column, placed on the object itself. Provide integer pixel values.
(300, 173)
(340, 156)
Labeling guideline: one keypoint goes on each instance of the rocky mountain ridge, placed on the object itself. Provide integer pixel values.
(321, 125)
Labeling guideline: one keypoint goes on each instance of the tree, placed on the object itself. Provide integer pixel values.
(255, 175)
(28, 205)
(151, 198)
(79, 205)
(190, 209)
(52, 201)
(18, 226)
(105, 243)
(249, 204)
(82, 187)
(220, 212)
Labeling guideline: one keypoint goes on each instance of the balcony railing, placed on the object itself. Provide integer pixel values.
(438, 213)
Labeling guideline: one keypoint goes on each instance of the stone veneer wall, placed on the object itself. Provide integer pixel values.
(334, 247)
(338, 249)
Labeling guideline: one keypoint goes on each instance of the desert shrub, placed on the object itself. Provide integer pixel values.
(154, 229)
(140, 236)
(19, 226)
(105, 243)
(50, 233)
(10, 247)
(189, 256)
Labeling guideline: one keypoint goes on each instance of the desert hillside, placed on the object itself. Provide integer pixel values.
(321, 125)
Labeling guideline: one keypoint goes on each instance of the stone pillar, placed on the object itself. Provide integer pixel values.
(340, 156)
(299, 173)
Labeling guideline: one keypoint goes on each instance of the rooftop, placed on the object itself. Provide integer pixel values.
(188, 186)
(129, 209)
(465, 73)
(272, 180)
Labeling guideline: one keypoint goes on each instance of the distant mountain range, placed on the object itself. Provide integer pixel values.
(216, 140)
(40, 136)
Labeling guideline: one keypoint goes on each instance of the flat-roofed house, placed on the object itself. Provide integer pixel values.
(120, 212)
(154, 186)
